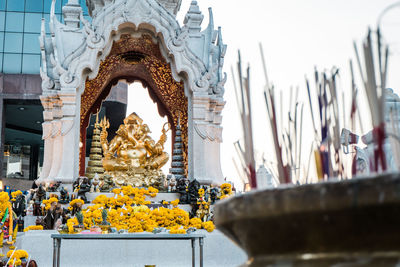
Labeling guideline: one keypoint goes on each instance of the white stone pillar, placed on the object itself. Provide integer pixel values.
(69, 133)
(206, 141)
(47, 137)
(56, 157)
(215, 142)
(199, 139)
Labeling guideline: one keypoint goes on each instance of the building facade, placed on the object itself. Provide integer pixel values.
(21, 113)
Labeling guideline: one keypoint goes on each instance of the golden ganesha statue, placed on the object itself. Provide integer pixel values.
(132, 157)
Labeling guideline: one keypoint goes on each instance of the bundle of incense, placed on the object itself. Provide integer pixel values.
(375, 93)
(326, 144)
(243, 98)
(270, 103)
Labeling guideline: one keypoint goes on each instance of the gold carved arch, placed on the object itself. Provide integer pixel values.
(136, 58)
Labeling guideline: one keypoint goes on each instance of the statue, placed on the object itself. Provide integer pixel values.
(95, 183)
(194, 187)
(51, 216)
(182, 189)
(82, 186)
(214, 193)
(172, 184)
(132, 157)
(18, 206)
(37, 211)
(40, 193)
(54, 187)
(64, 196)
(107, 184)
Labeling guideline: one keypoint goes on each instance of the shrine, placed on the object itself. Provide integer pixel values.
(135, 40)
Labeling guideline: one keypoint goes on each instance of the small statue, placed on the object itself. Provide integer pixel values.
(18, 206)
(37, 210)
(83, 188)
(95, 182)
(194, 187)
(172, 183)
(107, 184)
(54, 187)
(31, 194)
(182, 189)
(214, 192)
(210, 216)
(40, 193)
(202, 211)
(76, 184)
(51, 216)
(29, 210)
(64, 196)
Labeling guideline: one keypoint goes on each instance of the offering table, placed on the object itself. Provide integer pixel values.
(148, 236)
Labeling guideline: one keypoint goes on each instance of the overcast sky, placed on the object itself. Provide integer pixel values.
(297, 36)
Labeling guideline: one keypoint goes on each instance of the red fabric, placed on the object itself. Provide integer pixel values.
(379, 138)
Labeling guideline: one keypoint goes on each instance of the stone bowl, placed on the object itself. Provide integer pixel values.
(354, 222)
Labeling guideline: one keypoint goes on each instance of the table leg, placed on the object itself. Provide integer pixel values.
(201, 243)
(54, 252)
(58, 251)
(193, 252)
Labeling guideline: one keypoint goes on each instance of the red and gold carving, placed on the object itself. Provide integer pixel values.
(152, 69)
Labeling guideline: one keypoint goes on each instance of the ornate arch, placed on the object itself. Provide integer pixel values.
(76, 58)
(135, 59)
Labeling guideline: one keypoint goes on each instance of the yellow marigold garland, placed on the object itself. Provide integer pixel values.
(195, 222)
(48, 202)
(226, 190)
(175, 203)
(209, 226)
(33, 227)
(15, 194)
(16, 256)
(201, 192)
(127, 210)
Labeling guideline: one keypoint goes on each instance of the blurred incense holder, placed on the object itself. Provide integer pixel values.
(353, 222)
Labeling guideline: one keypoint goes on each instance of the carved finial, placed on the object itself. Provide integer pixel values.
(193, 18)
(71, 12)
(172, 6)
(97, 119)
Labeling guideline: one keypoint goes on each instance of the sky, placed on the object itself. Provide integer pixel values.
(296, 36)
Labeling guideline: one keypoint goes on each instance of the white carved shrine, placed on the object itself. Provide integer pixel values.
(82, 59)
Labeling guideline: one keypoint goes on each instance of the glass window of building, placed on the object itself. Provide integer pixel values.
(15, 5)
(12, 63)
(31, 43)
(13, 42)
(2, 4)
(14, 22)
(20, 25)
(1, 42)
(30, 64)
(2, 20)
(34, 6)
(32, 22)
